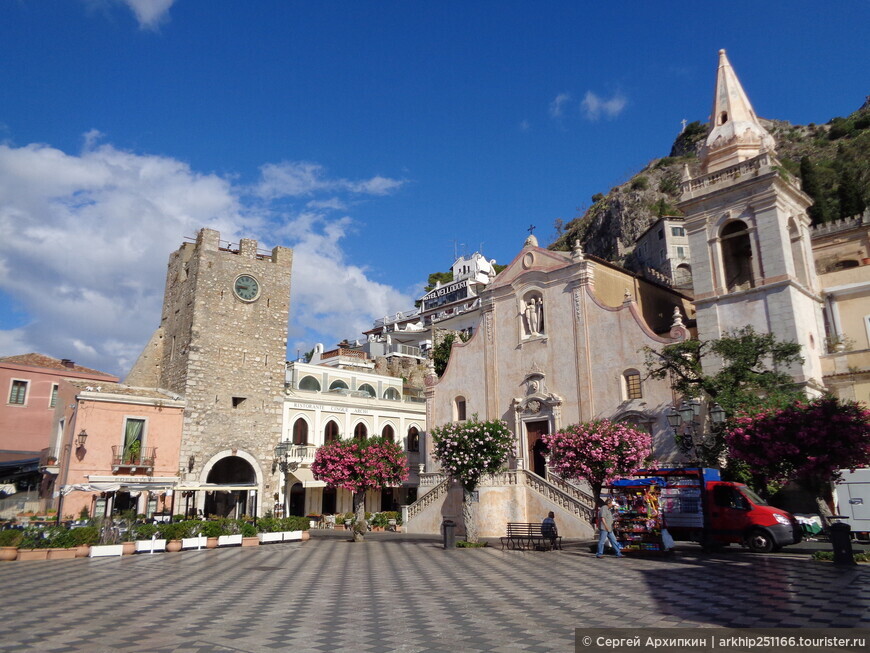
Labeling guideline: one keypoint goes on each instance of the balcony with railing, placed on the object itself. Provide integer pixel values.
(141, 461)
(302, 454)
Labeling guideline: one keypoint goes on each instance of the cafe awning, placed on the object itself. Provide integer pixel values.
(306, 477)
(215, 487)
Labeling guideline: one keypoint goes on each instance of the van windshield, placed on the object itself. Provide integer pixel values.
(754, 498)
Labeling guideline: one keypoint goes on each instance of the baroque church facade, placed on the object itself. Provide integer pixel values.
(553, 347)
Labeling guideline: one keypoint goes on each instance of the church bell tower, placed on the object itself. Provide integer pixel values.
(748, 230)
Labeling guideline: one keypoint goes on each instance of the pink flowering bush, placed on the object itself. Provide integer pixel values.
(359, 466)
(598, 451)
(468, 450)
(806, 442)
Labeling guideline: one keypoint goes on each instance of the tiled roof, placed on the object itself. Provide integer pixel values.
(47, 362)
(121, 389)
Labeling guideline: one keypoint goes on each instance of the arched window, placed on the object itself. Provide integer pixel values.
(309, 383)
(300, 431)
(360, 432)
(330, 432)
(683, 276)
(632, 386)
(797, 252)
(413, 439)
(388, 433)
(459, 409)
(392, 394)
(737, 256)
(338, 385)
(366, 388)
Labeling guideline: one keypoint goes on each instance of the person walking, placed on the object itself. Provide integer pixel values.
(605, 528)
(549, 530)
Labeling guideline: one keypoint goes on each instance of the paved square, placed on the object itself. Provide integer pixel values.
(404, 593)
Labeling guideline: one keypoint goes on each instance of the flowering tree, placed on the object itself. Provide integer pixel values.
(805, 442)
(598, 451)
(359, 466)
(467, 451)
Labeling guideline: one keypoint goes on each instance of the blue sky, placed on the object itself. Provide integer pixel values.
(374, 138)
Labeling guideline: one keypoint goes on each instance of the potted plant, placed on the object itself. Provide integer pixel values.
(146, 540)
(34, 545)
(172, 532)
(212, 530)
(84, 537)
(295, 528)
(60, 543)
(269, 530)
(379, 521)
(110, 540)
(249, 534)
(9, 541)
(232, 534)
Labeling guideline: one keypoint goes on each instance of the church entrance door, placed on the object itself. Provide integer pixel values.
(537, 448)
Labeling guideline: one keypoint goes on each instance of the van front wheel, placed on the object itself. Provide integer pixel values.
(759, 541)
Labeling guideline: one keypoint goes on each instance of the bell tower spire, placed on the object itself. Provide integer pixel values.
(735, 131)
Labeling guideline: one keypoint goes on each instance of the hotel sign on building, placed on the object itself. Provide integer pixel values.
(452, 292)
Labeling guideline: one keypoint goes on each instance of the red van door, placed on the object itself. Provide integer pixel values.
(729, 512)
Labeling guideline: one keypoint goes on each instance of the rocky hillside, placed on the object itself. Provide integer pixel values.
(832, 161)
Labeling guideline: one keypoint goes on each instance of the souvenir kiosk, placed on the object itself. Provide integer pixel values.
(637, 514)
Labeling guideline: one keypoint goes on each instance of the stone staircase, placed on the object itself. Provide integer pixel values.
(522, 496)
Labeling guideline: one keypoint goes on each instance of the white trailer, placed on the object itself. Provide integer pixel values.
(853, 501)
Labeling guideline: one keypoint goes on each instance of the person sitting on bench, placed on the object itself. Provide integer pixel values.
(548, 529)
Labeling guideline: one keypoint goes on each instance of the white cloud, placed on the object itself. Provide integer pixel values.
(302, 178)
(594, 106)
(93, 232)
(557, 106)
(149, 13)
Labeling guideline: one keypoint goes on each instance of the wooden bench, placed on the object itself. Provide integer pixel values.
(528, 536)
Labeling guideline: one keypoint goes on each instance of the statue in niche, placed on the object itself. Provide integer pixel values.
(534, 316)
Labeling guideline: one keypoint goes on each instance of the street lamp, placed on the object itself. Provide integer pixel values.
(282, 461)
(81, 438)
(694, 435)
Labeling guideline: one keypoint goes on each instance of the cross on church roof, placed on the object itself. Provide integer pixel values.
(531, 229)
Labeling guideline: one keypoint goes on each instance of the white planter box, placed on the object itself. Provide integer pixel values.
(194, 542)
(290, 536)
(150, 546)
(101, 550)
(270, 537)
(230, 540)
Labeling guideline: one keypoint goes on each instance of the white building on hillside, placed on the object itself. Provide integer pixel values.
(454, 306)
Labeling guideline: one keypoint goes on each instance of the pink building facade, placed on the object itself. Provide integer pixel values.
(114, 448)
(29, 383)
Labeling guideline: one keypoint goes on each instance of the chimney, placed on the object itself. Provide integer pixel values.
(66, 362)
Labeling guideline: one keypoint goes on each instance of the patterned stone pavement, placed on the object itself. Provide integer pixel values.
(404, 593)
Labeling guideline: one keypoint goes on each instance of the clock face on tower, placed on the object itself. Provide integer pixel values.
(246, 288)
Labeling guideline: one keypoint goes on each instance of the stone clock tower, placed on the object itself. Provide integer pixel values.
(222, 345)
